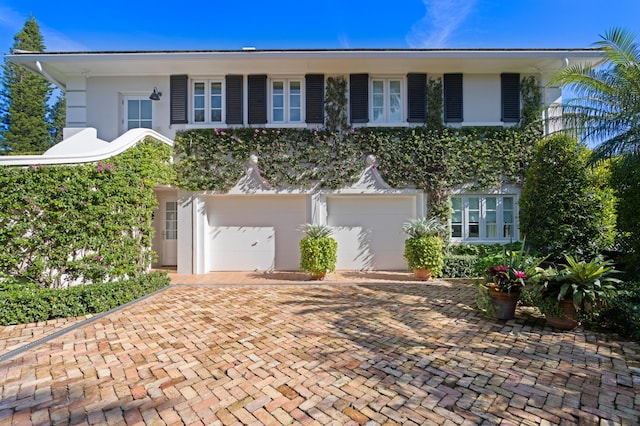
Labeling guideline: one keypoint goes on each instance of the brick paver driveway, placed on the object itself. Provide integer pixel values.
(403, 353)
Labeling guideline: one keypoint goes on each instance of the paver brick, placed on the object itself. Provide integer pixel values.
(392, 352)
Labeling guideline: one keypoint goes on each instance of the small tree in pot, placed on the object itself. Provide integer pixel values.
(424, 249)
(318, 250)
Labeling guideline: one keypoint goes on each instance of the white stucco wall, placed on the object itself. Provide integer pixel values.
(105, 108)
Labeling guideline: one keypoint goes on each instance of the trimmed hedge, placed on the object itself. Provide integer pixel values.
(20, 304)
(460, 266)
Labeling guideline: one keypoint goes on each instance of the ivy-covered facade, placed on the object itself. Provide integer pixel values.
(361, 140)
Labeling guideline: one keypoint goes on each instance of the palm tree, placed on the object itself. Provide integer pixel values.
(606, 107)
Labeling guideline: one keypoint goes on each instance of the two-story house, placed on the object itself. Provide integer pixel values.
(254, 226)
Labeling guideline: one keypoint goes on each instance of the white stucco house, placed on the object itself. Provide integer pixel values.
(114, 99)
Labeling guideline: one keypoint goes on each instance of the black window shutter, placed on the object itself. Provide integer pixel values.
(510, 88)
(257, 85)
(359, 97)
(234, 99)
(178, 99)
(417, 97)
(315, 98)
(453, 98)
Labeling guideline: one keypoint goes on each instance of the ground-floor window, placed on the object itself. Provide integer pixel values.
(483, 217)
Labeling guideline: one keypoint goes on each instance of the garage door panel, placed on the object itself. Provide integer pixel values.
(370, 229)
(245, 215)
(242, 248)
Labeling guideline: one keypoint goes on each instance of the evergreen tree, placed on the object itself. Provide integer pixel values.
(23, 99)
(57, 118)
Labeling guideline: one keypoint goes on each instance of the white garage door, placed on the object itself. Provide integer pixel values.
(248, 233)
(369, 230)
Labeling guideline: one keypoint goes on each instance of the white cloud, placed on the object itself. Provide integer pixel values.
(441, 20)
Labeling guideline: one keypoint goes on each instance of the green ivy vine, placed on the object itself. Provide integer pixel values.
(434, 103)
(435, 160)
(89, 222)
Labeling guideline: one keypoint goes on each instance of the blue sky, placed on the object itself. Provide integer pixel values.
(292, 24)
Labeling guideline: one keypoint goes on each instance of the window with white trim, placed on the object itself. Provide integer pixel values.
(483, 217)
(138, 112)
(386, 100)
(207, 101)
(286, 101)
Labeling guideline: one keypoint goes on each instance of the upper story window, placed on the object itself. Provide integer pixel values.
(208, 101)
(286, 101)
(386, 100)
(483, 217)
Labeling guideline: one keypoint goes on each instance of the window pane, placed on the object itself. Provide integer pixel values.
(216, 115)
(474, 203)
(199, 116)
(198, 89)
(456, 231)
(133, 109)
(278, 101)
(394, 87)
(378, 87)
(216, 102)
(277, 115)
(198, 102)
(474, 217)
(295, 115)
(216, 88)
(508, 230)
(490, 202)
(145, 124)
(456, 203)
(145, 109)
(294, 87)
(278, 87)
(132, 124)
(507, 216)
(395, 111)
(507, 203)
(295, 101)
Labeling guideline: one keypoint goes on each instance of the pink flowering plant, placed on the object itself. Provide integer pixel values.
(505, 279)
(513, 271)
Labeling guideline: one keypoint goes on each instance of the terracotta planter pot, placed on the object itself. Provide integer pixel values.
(504, 304)
(566, 322)
(319, 276)
(422, 274)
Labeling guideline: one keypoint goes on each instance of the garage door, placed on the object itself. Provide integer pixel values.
(249, 233)
(368, 230)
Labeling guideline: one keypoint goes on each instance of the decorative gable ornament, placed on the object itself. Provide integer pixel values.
(252, 182)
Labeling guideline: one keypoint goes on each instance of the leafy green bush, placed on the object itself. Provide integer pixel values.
(425, 253)
(29, 304)
(318, 250)
(622, 314)
(565, 206)
(460, 266)
(88, 223)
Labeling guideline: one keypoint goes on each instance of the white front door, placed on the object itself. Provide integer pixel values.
(138, 112)
(170, 233)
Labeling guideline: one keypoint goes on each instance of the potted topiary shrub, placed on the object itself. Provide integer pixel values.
(424, 249)
(318, 250)
(577, 288)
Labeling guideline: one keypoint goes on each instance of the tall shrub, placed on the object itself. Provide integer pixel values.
(566, 206)
(86, 223)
